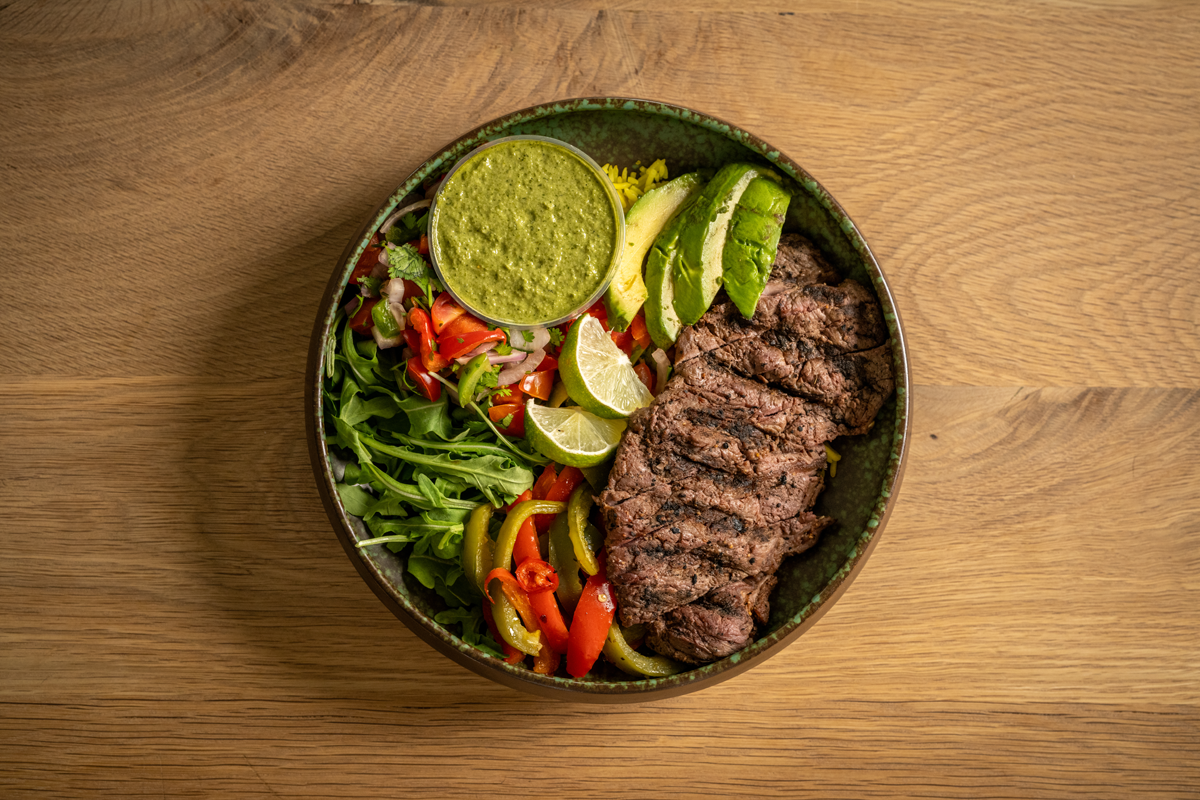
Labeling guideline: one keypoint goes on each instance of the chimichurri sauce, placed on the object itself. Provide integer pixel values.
(524, 232)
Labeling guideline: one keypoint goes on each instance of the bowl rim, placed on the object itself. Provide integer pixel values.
(615, 206)
(632, 691)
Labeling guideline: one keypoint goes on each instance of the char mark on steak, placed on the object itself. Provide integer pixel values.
(713, 483)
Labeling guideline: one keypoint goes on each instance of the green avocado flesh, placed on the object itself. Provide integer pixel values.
(701, 242)
(751, 242)
(643, 223)
(661, 320)
(525, 232)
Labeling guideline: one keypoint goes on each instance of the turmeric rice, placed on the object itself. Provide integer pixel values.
(632, 186)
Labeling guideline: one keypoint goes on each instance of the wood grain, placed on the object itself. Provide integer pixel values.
(178, 181)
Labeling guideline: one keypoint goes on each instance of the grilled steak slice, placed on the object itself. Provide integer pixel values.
(682, 562)
(714, 483)
(719, 625)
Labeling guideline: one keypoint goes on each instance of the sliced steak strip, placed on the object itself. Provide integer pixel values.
(719, 625)
(679, 563)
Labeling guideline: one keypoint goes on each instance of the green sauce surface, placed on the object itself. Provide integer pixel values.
(525, 232)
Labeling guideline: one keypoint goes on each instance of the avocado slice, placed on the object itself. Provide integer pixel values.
(661, 320)
(752, 241)
(644, 221)
(702, 240)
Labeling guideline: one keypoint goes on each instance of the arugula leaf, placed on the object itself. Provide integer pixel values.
(474, 628)
(405, 262)
(427, 417)
(431, 492)
(495, 476)
(356, 500)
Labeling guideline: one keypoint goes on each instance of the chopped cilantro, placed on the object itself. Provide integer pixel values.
(556, 336)
(507, 421)
(405, 262)
(371, 285)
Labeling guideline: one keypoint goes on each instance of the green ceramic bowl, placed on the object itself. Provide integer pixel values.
(621, 131)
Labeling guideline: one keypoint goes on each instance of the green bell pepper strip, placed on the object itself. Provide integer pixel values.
(477, 547)
(507, 538)
(512, 630)
(562, 558)
(618, 651)
(578, 509)
(385, 321)
(468, 380)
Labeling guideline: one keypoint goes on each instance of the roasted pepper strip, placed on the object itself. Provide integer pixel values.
(562, 558)
(536, 576)
(477, 547)
(567, 480)
(578, 510)
(546, 661)
(511, 654)
(526, 546)
(507, 538)
(618, 651)
(589, 627)
(550, 620)
(509, 609)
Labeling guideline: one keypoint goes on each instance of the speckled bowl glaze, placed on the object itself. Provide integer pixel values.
(622, 131)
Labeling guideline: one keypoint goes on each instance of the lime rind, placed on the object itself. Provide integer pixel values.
(598, 376)
(571, 435)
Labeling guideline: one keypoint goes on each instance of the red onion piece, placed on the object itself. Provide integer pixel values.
(662, 366)
(514, 372)
(384, 343)
(510, 358)
(483, 348)
(390, 221)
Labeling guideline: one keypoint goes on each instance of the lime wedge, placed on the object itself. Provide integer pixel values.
(598, 376)
(571, 435)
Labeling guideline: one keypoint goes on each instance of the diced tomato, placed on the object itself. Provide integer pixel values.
(361, 321)
(452, 347)
(412, 339)
(538, 384)
(623, 340)
(548, 364)
(600, 312)
(516, 427)
(429, 386)
(544, 482)
(366, 264)
(646, 375)
(423, 245)
(638, 329)
(589, 626)
(443, 310)
(463, 323)
(411, 289)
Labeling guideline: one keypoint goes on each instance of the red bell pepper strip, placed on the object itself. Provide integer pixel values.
(549, 364)
(640, 334)
(361, 321)
(550, 618)
(526, 545)
(429, 386)
(511, 654)
(536, 576)
(463, 323)
(516, 427)
(567, 480)
(521, 498)
(544, 482)
(645, 375)
(433, 361)
(589, 626)
(538, 384)
(452, 347)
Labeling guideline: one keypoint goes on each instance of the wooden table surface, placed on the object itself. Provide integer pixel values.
(177, 181)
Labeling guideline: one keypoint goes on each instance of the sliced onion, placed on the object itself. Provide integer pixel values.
(390, 221)
(352, 306)
(662, 366)
(394, 289)
(384, 343)
(510, 358)
(514, 372)
(483, 348)
(530, 340)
